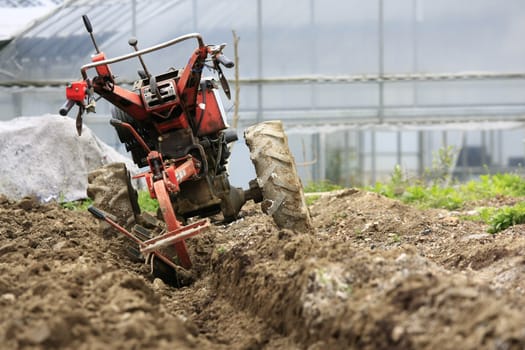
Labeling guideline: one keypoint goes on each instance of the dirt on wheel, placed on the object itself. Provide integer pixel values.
(372, 274)
(277, 176)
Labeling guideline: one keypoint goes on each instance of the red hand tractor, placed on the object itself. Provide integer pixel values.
(174, 124)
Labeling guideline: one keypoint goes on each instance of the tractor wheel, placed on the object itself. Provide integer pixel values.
(110, 189)
(282, 191)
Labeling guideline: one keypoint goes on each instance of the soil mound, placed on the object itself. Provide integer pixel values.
(374, 274)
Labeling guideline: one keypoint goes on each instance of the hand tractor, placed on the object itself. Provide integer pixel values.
(174, 125)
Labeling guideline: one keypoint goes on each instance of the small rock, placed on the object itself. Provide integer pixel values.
(477, 236)
(158, 284)
(371, 226)
(426, 231)
(397, 333)
(27, 203)
(450, 221)
(37, 334)
(401, 257)
(58, 246)
(8, 297)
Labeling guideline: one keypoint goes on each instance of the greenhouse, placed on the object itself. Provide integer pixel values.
(360, 85)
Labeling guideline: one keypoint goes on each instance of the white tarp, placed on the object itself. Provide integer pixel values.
(44, 157)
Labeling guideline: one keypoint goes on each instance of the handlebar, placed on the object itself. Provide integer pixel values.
(66, 107)
(225, 61)
(177, 40)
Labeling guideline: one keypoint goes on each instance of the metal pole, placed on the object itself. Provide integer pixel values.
(360, 157)
(484, 149)
(381, 62)
(315, 150)
(313, 55)
(322, 156)
(134, 18)
(346, 158)
(415, 45)
(399, 146)
(373, 154)
(421, 161)
(259, 60)
(500, 149)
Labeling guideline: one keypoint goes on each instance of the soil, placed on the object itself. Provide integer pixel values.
(373, 274)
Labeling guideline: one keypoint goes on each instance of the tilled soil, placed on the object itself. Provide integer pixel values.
(373, 274)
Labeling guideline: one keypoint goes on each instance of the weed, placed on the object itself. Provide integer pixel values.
(81, 204)
(321, 186)
(440, 194)
(442, 162)
(505, 217)
(146, 203)
(311, 199)
(396, 238)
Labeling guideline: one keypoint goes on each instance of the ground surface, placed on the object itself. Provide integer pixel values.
(374, 274)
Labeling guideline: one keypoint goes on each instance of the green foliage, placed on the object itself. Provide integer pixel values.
(311, 199)
(146, 203)
(442, 162)
(506, 217)
(433, 196)
(321, 186)
(501, 184)
(395, 187)
(437, 194)
(451, 197)
(82, 204)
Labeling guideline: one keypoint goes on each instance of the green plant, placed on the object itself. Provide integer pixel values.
(505, 217)
(396, 186)
(146, 203)
(321, 186)
(81, 204)
(396, 238)
(311, 199)
(442, 162)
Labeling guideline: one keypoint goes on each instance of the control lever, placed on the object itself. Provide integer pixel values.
(89, 29)
(154, 88)
(133, 43)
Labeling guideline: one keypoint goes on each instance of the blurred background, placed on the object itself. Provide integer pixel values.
(362, 86)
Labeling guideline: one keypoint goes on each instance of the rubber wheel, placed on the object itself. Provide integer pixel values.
(282, 190)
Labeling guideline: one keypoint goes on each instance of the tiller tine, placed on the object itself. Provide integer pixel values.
(153, 245)
(175, 236)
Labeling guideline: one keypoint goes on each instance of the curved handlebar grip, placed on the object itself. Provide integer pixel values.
(225, 61)
(87, 23)
(66, 107)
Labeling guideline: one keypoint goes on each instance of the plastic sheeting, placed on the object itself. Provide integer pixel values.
(43, 157)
